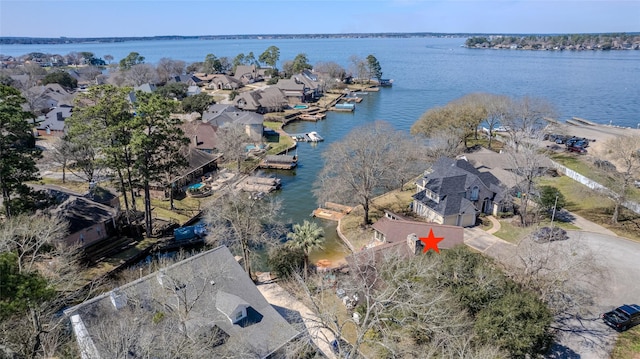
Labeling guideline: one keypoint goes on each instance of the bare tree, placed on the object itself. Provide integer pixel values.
(27, 236)
(168, 68)
(38, 243)
(35, 72)
(91, 73)
(624, 151)
(332, 73)
(527, 164)
(444, 143)
(562, 273)
(358, 67)
(526, 119)
(242, 222)
(74, 58)
(61, 154)
(232, 140)
(85, 159)
(141, 74)
(366, 162)
(385, 314)
(498, 107)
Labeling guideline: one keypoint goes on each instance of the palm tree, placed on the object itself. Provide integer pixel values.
(307, 237)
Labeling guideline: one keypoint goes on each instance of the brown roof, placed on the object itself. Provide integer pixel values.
(398, 230)
(202, 135)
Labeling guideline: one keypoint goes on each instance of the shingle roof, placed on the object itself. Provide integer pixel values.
(449, 204)
(194, 284)
(82, 212)
(450, 179)
(54, 119)
(217, 115)
(202, 133)
(396, 230)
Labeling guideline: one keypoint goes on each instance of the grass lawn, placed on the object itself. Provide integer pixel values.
(75, 186)
(627, 345)
(274, 125)
(595, 207)
(583, 165)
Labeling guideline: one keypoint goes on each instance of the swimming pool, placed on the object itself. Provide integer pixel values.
(196, 186)
(300, 107)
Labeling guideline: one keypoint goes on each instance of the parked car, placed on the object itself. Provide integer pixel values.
(577, 149)
(553, 137)
(549, 234)
(623, 317)
(560, 139)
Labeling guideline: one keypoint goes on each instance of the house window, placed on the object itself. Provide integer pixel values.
(475, 191)
(239, 315)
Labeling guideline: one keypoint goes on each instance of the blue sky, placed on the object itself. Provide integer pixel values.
(106, 18)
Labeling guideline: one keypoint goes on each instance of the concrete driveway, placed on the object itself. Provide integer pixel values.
(606, 272)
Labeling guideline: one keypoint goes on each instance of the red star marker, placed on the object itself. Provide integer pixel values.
(431, 242)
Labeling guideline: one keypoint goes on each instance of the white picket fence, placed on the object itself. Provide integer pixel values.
(634, 206)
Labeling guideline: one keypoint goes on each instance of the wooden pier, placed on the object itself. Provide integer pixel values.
(332, 211)
(280, 162)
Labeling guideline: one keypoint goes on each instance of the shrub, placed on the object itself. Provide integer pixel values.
(284, 260)
(518, 322)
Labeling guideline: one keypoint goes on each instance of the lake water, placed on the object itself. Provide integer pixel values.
(427, 72)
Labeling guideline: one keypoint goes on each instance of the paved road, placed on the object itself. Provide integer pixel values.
(602, 266)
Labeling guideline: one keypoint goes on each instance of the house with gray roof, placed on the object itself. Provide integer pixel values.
(202, 307)
(89, 221)
(294, 90)
(453, 192)
(217, 115)
(224, 82)
(311, 81)
(193, 90)
(146, 88)
(51, 95)
(270, 99)
(247, 74)
(53, 123)
(188, 79)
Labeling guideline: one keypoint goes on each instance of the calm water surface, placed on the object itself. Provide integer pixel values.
(599, 86)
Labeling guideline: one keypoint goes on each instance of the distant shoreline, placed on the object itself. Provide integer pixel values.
(79, 40)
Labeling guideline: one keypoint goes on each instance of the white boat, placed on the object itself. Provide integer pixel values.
(314, 137)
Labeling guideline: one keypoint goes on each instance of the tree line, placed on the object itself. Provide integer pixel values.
(613, 41)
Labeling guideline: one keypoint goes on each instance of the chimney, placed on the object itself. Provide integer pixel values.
(415, 245)
(195, 139)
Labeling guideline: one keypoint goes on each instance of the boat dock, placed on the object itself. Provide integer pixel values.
(259, 184)
(582, 121)
(312, 116)
(332, 211)
(279, 162)
(344, 107)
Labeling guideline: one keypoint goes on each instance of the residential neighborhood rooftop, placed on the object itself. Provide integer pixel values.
(208, 293)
